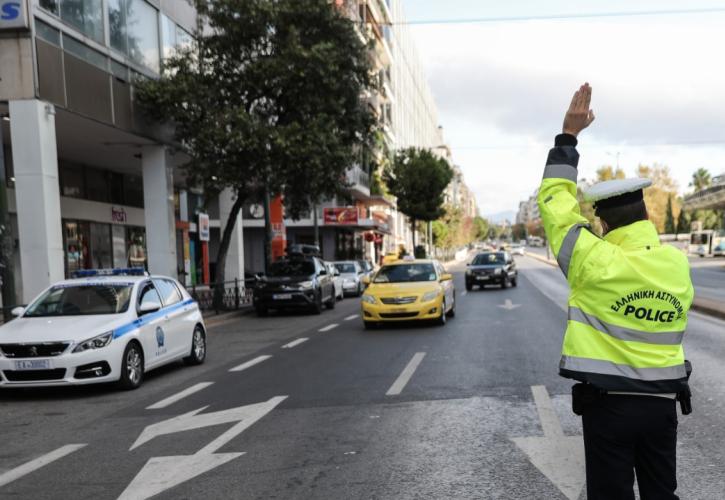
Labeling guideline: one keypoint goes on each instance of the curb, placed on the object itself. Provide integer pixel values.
(216, 319)
(704, 306)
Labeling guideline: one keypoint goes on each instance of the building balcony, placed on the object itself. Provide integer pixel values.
(359, 183)
(712, 197)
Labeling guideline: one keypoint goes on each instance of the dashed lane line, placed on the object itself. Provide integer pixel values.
(328, 327)
(405, 376)
(250, 363)
(352, 317)
(179, 396)
(33, 465)
(295, 343)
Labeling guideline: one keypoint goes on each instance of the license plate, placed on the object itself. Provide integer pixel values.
(282, 296)
(33, 364)
(399, 310)
(482, 278)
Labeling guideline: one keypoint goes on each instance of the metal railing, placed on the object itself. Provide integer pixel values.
(232, 295)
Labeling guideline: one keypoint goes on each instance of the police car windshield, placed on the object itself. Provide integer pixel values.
(82, 299)
(292, 268)
(406, 273)
(489, 259)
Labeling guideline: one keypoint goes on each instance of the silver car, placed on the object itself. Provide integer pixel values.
(351, 274)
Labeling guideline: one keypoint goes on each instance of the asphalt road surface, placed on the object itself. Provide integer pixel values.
(304, 406)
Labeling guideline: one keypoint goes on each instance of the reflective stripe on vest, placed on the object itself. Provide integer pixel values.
(629, 335)
(566, 250)
(560, 171)
(589, 365)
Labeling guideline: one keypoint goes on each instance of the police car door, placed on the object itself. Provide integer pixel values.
(153, 327)
(178, 330)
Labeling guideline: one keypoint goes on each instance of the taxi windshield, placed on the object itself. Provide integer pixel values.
(406, 273)
(82, 299)
(489, 259)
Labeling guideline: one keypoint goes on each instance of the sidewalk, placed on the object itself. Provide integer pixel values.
(701, 304)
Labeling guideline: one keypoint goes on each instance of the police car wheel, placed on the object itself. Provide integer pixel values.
(132, 367)
(198, 347)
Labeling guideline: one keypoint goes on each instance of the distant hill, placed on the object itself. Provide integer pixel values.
(499, 217)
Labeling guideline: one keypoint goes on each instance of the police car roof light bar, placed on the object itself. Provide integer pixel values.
(125, 271)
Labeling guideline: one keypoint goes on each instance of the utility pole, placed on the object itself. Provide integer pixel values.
(268, 233)
(6, 240)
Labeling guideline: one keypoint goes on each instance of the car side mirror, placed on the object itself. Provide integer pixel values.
(446, 277)
(17, 311)
(323, 272)
(366, 280)
(149, 307)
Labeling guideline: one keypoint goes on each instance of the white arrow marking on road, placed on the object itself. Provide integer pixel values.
(33, 465)
(250, 363)
(328, 327)
(162, 473)
(508, 305)
(560, 458)
(179, 396)
(295, 343)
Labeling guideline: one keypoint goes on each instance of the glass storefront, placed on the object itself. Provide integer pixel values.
(93, 245)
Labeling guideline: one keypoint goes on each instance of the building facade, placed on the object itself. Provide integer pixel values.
(90, 183)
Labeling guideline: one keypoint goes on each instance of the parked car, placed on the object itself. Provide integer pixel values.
(298, 282)
(367, 267)
(102, 326)
(491, 268)
(409, 290)
(517, 250)
(352, 276)
(337, 280)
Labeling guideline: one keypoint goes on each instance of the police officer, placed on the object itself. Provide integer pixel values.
(627, 316)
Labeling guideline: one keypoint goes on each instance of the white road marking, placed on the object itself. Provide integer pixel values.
(508, 305)
(162, 473)
(179, 396)
(33, 465)
(406, 374)
(352, 317)
(328, 327)
(250, 363)
(559, 457)
(295, 343)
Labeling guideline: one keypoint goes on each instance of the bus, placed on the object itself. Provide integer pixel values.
(707, 243)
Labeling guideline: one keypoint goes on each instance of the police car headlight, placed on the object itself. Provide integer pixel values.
(430, 296)
(98, 342)
(369, 299)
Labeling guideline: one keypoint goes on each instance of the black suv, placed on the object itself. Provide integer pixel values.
(297, 282)
(491, 268)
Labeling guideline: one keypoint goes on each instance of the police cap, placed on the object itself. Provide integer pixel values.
(617, 192)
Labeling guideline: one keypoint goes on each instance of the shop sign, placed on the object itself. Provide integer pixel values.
(118, 215)
(13, 14)
(203, 227)
(341, 215)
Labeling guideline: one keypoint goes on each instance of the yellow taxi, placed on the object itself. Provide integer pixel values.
(408, 290)
(390, 257)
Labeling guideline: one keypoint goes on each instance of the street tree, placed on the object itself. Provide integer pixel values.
(418, 179)
(481, 227)
(669, 218)
(683, 223)
(656, 197)
(267, 102)
(608, 173)
(701, 179)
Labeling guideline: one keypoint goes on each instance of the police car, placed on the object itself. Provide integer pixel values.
(101, 326)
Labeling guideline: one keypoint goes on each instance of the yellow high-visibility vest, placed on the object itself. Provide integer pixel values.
(629, 294)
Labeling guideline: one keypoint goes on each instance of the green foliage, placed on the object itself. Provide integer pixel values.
(440, 234)
(701, 179)
(418, 179)
(481, 228)
(518, 232)
(607, 173)
(683, 223)
(669, 218)
(269, 98)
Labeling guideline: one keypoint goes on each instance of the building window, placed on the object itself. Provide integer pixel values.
(84, 15)
(47, 33)
(50, 5)
(168, 37)
(135, 31)
(133, 190)
(97, 185)
(72, 182)
(84, 52)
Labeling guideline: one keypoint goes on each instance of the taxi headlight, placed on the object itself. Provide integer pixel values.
(95, 343)
(430, 296)
(369, 299)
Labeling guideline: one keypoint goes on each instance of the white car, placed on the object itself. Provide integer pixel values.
(352, 276)
(518, 250)
(104, 326)
(337, 280)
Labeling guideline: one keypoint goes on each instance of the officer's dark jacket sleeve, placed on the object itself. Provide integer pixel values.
(566, 229)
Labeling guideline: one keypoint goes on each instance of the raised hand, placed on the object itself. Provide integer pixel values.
(579, 116)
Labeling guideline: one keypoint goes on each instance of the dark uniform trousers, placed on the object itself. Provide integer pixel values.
(624, 434)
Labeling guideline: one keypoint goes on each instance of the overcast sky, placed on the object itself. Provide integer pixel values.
(502, 87)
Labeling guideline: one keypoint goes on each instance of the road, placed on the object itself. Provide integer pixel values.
(474, 409)
(708, 275)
